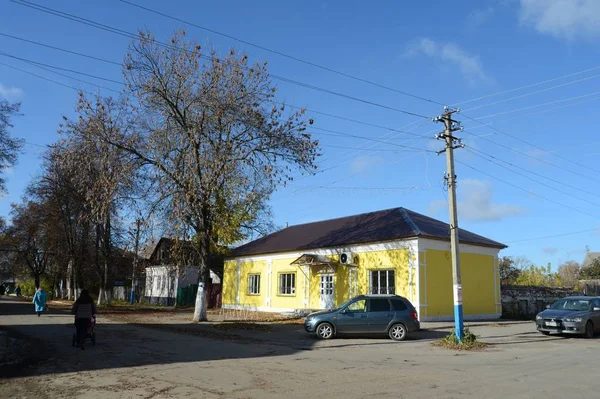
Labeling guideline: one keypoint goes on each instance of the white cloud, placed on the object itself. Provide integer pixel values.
(478, 17)
(10, 93)
(364, 163)
(563, 19)
(476, 203)
(470, 65)
(550, 250)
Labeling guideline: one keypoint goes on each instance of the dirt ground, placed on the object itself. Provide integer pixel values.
(167, 358)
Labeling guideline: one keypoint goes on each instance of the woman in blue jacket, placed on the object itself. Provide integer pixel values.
(39, 300)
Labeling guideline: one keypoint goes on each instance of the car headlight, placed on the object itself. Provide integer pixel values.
(574, 320)
(539, 317)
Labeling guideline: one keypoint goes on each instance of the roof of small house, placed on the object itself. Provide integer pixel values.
(386, 225)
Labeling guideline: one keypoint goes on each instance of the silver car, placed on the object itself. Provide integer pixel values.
(571, 315)
(366, 314)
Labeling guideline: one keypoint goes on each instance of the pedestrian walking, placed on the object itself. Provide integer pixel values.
(39, 300)
(83, 309)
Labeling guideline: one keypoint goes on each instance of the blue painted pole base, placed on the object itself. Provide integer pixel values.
(458, 322)
(132, 297)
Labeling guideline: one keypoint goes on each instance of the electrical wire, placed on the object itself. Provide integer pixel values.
(535, 146)
(532, 157)
(529, 191)
(46, 79)
(317, 112)
(280, 53)
(553, 236)
(528, 86)
(130, 35)
(492, 159)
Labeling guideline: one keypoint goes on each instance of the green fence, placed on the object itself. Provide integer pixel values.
(186, 296)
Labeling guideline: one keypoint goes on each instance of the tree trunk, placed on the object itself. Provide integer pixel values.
(200, 307)
(100, 295)
(107, 253)
(37, 280)
(69, 279)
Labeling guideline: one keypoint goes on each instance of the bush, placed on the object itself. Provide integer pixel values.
(469, 341)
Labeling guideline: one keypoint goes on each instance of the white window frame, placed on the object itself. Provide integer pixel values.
(388, 280)
(287, 284)
(254, 284)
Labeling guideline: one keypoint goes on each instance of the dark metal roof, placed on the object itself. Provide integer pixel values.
(386, 225)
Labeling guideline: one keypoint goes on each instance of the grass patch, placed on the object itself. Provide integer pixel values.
(468, 343)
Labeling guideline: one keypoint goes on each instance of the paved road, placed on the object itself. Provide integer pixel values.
(136, 362)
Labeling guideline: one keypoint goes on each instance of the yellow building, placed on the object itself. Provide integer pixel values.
(396, 251)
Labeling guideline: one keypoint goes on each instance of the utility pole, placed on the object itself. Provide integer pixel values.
(138, 223)
(452, 143)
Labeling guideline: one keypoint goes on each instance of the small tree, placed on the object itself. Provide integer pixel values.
(569, 273)
(591, 272)
(509, 274)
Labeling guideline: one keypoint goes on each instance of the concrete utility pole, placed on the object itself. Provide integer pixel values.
(451, 144)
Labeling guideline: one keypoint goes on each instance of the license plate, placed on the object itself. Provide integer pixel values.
(551, 324)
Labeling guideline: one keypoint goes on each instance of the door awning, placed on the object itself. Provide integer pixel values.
(312, 260)
(323, 262)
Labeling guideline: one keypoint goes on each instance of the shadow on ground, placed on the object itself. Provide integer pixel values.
(123, 345)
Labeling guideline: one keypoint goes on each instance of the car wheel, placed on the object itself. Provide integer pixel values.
(398, 332)
(545, 332)
(325, 331)
(589, 330)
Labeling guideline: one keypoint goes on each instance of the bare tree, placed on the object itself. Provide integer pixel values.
(216, 140)
(569, 273)
(107, 173)
(9, 147)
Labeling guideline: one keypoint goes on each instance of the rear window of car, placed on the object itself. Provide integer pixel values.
(399, 304)
(380, 305)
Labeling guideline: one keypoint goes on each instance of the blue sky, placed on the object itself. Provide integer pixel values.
(451, 53)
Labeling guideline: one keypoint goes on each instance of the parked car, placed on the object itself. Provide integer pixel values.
(366, 314)
(571, 315)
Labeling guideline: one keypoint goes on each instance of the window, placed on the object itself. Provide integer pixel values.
(359, 306)
(287, 284)
(163, 283)
(382, 282)
(254, 284)
(399, 305)
(379, 305)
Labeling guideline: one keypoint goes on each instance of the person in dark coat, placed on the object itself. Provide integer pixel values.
(83, 309)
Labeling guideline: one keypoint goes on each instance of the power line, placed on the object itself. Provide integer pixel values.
(553, 236)
(275, 102)
(532, 157)
(492, 160)
(45, 78)
(372, 139)
(59, 68)
(60, 49)
(130, 35)
(528, 86)
(531, 93)
(280, 53)
(535, 146)
(529, 191)
(538, 105)
(368, 149)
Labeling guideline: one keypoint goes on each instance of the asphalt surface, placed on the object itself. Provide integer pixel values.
(132, 361)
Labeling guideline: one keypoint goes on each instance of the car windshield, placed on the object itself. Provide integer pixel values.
(572, 304)
(343, 305)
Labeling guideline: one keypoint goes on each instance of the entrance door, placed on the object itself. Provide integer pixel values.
(327, 299)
